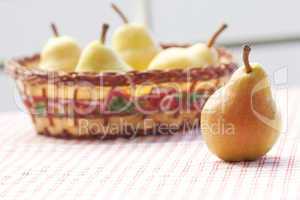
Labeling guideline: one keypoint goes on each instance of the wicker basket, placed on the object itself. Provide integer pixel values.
(113, 105)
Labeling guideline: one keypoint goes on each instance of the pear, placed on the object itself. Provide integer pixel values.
(61, 53)
(198, 55)
(240, 121)
(134, 43)
(96, 57)
(206, 54)
(172, 58)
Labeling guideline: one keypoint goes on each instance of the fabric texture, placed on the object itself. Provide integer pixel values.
(161, 167)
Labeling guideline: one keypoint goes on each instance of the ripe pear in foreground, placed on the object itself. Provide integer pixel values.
(61, 53)
(96, 57)
(198, 55)
(240, 121)
(134, 43)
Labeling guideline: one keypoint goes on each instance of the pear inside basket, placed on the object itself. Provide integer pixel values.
(110, 105)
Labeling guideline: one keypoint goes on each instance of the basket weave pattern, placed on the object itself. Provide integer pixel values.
(112, 105)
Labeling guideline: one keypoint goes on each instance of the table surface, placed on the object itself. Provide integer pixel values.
(179, 166)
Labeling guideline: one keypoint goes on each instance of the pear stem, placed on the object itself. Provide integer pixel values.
(213, 39)
(54, 30)
(105, 28)
(120, 13)
(246, 52)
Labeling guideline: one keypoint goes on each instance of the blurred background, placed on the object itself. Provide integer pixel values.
(271, 27)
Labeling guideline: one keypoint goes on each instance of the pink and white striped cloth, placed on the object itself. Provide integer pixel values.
(166, 167)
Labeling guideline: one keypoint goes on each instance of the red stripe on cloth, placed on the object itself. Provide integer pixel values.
(259, 168)
(289, 171)
(110, 149)
(275, 166)
(151, 158)
(240, 179)
(61, 166)
(225, 180)
(210, 178)
(68, 186)
(185, 171)
(161, 163)
(201, 167)
(114, 157)
(173, 166)
(130, 161)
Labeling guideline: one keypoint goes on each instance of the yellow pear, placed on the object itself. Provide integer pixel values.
(61, 53)
(134, 43)
(172, 58)
(240, 121)
(96, 57)
(206, 54)
(198, 55)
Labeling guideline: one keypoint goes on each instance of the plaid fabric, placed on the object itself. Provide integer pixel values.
(166, 167)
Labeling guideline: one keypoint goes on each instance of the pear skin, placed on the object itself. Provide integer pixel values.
(198, 55)
(240, 121)
(172, 58)
(61, 53)
(96, 57)
(134, 43)
(204, 55)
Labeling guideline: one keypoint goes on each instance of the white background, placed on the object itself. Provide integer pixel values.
(24, 23)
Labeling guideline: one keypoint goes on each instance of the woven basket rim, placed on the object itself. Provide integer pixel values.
(18, 69)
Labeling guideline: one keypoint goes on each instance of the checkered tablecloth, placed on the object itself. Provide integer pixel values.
(166, 167)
